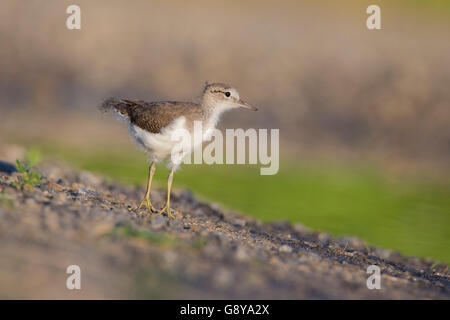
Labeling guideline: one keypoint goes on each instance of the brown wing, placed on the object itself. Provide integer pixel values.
(133, 102)
(153, 116)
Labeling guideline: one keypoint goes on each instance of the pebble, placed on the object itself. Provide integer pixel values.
(194, 227)
(7, 167)
(55, 186)
(82, 191)
(285, 248)
(351, 243)
(242, 254)
(281, 225)
(239, 222)
(89, 179)
(302, 229)
(324, 237)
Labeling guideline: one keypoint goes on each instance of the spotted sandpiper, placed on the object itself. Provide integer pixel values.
(152, 124)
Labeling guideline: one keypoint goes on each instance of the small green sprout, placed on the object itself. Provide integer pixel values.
(435, 264)
(29, 178)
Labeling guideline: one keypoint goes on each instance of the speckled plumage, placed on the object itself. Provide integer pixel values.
(153, 116)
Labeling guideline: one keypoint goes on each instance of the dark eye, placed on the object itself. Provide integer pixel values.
(227, 94)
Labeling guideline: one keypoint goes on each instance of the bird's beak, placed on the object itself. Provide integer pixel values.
(245, 105)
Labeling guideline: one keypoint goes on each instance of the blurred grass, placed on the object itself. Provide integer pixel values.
(409, 215)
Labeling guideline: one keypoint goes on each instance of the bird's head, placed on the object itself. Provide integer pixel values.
(222, 97)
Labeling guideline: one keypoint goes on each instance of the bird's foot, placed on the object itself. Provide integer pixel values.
(146, 202)
(167, 210)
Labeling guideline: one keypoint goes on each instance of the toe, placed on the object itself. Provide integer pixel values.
(170, 215)
(161, 211)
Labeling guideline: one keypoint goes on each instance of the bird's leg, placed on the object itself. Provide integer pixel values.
(146, 201)
(166, 207)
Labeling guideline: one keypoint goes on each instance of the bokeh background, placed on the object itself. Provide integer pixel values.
(363, 115)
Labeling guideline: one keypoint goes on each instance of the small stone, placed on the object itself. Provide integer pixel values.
(351, 243)
(76, 186)
(242, 254)
(274, 261)
(198, 212)
(239, 222)
(194, 228)
(55, 186)
(82, 191)
(285, 248)
(89, 179)
(281, 225)
(324, 237)
(302, 229)
(7, 167)
(16, 175)
(382, 253)
(52, 173)
(178, 215)
(215, 206)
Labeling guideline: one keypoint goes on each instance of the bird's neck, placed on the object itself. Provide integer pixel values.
(213, 111)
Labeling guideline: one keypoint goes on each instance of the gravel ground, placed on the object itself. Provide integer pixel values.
(80, 218)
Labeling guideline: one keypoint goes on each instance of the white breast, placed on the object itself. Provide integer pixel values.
(158, 145)
(163, 145)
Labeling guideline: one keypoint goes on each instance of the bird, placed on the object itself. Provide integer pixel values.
(151, 125)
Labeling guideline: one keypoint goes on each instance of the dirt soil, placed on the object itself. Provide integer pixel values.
(77, 218)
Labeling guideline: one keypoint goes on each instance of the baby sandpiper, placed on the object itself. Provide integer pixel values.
(152, 125)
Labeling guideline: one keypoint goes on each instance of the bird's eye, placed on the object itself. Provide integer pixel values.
(227, 93)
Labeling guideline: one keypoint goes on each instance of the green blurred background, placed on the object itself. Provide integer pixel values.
(363, 115)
